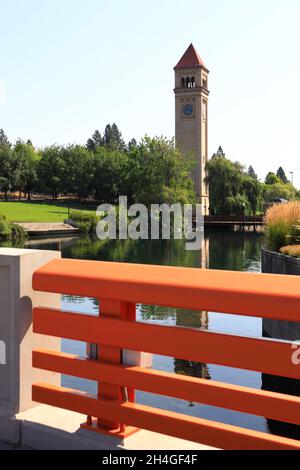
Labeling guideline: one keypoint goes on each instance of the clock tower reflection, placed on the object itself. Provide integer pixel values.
(197, 320)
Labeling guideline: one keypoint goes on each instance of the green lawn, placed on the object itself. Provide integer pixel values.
(37, 211)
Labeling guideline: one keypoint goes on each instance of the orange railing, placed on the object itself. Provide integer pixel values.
(119, 287)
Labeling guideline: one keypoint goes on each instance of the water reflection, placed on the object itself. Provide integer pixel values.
(198, 320)
(179, 317)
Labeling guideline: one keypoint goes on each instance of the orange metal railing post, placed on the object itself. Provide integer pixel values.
(129, 314)
(112, 355)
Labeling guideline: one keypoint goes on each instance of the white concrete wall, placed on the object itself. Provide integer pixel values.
(16, 337)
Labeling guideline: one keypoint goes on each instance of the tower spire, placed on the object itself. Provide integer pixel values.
(190, 59)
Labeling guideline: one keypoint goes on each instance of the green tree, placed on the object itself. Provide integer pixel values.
(253, 190)
(163, 173)
(280, 190)
(6, 170)
(51, 172)
(4, 142)
(132, 144)
(225, 180)
(282, 176)
(95, 141)
(252, 173)
(233, 191)
(271, 178)
(77, 171)
(237, 205)
(220, 153)
(112, 138)
(107, 175)
(26, 167)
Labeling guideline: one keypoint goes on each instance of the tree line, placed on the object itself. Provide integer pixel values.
(152, 171)
(235, 190)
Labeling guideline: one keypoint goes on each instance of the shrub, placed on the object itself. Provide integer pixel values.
(291, 250)
(5, 228)
(9, 231)
(17, 232)
(86, 222)
(282, 225)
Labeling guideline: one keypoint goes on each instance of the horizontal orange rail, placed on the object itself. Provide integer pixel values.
(258, 402)
(173, 424)
(119, 287)
(268, 356)
(261, 295)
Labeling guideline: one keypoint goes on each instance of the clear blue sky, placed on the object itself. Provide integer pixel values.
(69, 67)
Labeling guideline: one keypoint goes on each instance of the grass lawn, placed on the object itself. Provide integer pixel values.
(38, 211)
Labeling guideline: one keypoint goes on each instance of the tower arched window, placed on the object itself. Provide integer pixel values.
(183, 82)
(188, 82)
(193, 83)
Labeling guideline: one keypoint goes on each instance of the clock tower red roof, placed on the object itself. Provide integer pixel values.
(190, 59)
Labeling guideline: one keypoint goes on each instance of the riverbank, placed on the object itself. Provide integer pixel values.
(41, 211)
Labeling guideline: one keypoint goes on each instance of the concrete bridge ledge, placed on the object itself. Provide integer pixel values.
(48, 428)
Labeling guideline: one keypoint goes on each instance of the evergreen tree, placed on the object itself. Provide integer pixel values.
(94, 142)
(220, 153)
(282, 176)
(132, 144)
(97, 138)
(252, 173)
(90, 145)
(113, 138)
(4, 142)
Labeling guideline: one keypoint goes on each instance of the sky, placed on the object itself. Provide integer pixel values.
(68, 67)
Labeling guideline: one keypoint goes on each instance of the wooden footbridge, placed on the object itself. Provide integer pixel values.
(224, 221)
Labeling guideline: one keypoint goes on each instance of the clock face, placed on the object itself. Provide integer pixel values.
(188, 110)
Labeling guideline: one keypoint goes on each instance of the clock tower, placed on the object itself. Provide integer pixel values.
(191, 108)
